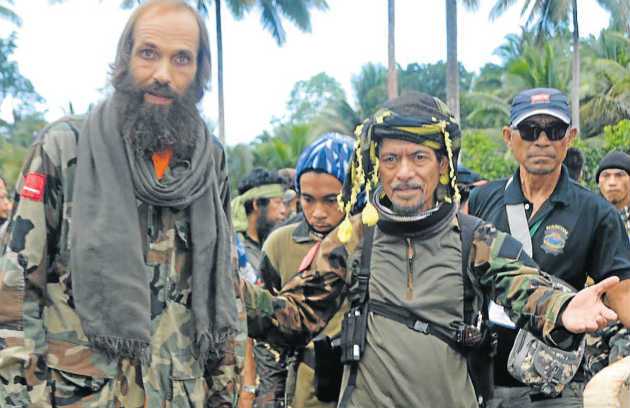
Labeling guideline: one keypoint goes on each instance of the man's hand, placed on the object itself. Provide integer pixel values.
(618, 299)
(586, 312)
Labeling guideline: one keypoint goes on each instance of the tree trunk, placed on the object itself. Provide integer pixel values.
(575, 85)
(452, 68)
(392, 75)
(217, 8)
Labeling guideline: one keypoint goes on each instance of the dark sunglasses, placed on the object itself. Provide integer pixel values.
(531, 132)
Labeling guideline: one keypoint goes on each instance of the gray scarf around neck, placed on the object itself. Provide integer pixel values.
(110, 280)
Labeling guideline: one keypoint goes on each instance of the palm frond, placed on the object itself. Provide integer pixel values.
(271, 21)
(9, 15)
(297, 12)
(471, 5)
(500, 7)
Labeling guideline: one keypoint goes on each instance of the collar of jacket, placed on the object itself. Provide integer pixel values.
(420, 227)
(303, 233)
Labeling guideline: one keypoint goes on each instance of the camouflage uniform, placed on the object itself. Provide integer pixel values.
(283, 253)
(270, 369)
(612, 343)
(45, 358)
(311, 298)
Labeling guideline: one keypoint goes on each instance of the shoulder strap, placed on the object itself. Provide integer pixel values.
(358, 297)
(517, 221)
(473, 295)
(361, 277)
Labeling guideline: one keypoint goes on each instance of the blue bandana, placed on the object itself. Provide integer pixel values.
(330, 154)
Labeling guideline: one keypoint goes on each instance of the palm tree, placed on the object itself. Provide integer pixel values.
(452, 65)
(6, 13)
(619, 14)
(370, 88)
(547, 16)
(525, 64)
(607, 81)
(271, 12)
(392, 74)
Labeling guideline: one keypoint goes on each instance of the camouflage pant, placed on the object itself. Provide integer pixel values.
(127, 390)
(271, 374)
(519, 397)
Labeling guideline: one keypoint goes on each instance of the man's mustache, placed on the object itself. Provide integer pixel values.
(404, 185)
(163, 90)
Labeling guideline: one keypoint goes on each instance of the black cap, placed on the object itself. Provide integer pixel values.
(614, 160)
(540, 101)
(466, 176)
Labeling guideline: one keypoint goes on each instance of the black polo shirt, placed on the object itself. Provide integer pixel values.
(577, 234)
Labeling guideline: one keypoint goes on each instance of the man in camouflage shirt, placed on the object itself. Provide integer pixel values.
(320, 173)
(612, 343)
(257, 209)
(416, 268)
(161, 332)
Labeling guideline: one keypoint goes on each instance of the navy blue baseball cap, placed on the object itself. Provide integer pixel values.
(540, 101)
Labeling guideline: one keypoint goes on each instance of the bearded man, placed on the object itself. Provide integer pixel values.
(412, 268)
(257, 209)
(117, 287)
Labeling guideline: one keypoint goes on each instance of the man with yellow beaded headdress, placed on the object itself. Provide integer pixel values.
(415, 273)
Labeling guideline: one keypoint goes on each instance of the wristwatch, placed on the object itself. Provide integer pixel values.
(248, 388)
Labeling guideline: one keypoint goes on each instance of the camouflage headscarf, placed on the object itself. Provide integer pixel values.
(414, 117)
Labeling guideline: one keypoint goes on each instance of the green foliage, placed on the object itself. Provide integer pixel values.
(370, 88)
(431, 78)
(22, 131)
(617, 137)
(308, 98)
(11, 158)
(619, 14)
(606, 85)
(12, 83)
(487, 155)
(6, 13)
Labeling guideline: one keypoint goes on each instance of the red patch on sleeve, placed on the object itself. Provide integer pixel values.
(34, 184)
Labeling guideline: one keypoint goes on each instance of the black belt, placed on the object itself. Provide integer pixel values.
(456, 338)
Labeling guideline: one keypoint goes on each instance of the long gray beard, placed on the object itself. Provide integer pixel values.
(152, 128)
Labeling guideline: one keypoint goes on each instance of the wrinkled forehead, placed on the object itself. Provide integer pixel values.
(167, 25)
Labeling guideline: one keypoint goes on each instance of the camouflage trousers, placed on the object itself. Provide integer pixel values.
(127, 390)
(521, 397)
(271, 375)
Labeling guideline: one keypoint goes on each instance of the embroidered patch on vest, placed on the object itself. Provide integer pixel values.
(34, 184)
(555, 239)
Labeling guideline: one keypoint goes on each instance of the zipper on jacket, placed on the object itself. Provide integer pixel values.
(410, 257)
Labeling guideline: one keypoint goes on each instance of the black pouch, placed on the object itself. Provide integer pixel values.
(353, 333)
(480, 366)
(328, 369)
